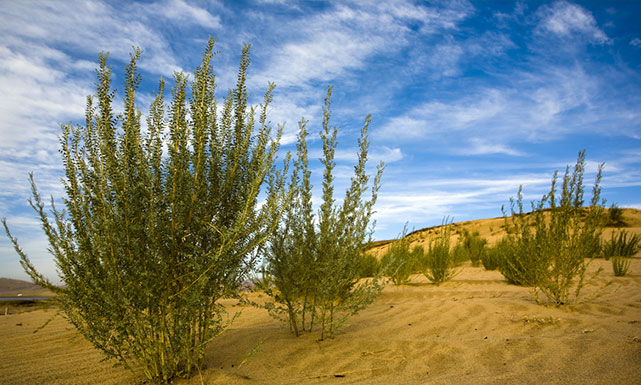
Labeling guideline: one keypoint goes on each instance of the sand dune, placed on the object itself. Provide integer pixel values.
(475, 329)
(12, 287)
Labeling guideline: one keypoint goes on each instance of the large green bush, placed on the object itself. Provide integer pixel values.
(548, 247)
(150, 241)
(315, 266)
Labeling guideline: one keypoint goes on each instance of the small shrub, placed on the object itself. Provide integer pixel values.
(398, 262)
(620, 245)
(369, 266)
(438, 263)
(473, 246)
(620, 265)
(316, 261)
(615, 216)
(493, 257)
(459, 254)
(548, 247)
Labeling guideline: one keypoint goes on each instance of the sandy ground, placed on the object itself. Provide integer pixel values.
(475, 329)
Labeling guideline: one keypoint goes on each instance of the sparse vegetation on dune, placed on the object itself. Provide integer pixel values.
(472, 246)
(615, 216)
(494, 257)
(619, 247)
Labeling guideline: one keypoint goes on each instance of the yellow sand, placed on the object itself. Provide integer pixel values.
(475, 329)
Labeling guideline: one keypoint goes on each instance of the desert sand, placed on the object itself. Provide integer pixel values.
(475, 329)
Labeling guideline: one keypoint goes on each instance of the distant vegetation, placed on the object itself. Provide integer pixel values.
(494, 257)
(547, 249)
(622, 244)
(472, 247)
(615, 216)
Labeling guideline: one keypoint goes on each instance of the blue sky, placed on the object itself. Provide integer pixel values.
(469, 100)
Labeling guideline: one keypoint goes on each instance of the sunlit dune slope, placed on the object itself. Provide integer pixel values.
(493, 229)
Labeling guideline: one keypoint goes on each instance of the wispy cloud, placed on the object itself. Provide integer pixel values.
(479, 146)
(568, 20)
(92, 26)
(179, 11)
(531, 106)
(427, 202)
(329, 44)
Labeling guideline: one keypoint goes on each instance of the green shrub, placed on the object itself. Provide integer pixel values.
(316, 267)
(472, 246)
(160, 224)
(519, 261)
(621, 245)
(399, 262)
(460, 255)
(438, 263)
(620, 265)
(548, 247)
(369, 266)
(615, 216)
(495, 256)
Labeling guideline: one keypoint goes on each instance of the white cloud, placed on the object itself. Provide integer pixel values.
(566, 20)
(422, 202)
(479, 146)
(375, 155)
(636, 42)
(328, 45)
(532, 106)
(36, 95)
(386, 154)
(90, 27)
(448, 58)
(439, 117)
(182, 12)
